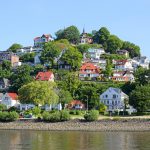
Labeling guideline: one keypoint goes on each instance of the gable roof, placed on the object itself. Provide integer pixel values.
(44, 76)
(13, 96)
(121, 62)
(76, 102)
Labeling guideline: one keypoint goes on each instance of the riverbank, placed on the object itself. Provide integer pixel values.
(80, 125)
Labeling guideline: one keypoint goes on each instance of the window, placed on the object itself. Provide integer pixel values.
(114, 96)
(106, 96)
(107, 102)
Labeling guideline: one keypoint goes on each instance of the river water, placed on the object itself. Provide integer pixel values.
(73, 140)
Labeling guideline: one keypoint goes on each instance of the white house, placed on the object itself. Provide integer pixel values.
(95, 53)
(45, 76)
(113, 98)
(37, 58)
(123, 65)
(10, 99)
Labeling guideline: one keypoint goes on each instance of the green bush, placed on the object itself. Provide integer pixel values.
(72, 112)
(65, 116)
(2, 107)
(52, 117)
(36, 111)
(9, 116)
(92, 115)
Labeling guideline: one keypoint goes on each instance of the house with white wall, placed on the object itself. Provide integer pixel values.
(123, 65)
(114, 99)
(10, 99)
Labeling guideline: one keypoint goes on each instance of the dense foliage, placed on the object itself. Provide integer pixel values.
(92, 115)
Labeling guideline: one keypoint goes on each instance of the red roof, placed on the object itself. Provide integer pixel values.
(76, 102)
(13, 96)
(44, 76)
(121, 62)
(36, 38)
(89, 66)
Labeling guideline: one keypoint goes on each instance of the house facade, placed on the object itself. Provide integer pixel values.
(95, 53)
(85, 38)
(123, 52)
(123, 76)
(76, 104)
(114, 99)
(10, 99)
(4, 84)
(88, 70)
(13, 58)
(123, 65)
(45, 76)
(38, 41)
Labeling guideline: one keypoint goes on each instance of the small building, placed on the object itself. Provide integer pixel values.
(95, 53)
(37, 59)
(13, 58)
(123, 76)
(45, 76)
(123, 52)
(76, 104)
(85, 38)
(114, 99)
(4, 84)
(1, 96)
(89, 70)
(123, 65)
(10, 99)
(38, 41)
(63, 65)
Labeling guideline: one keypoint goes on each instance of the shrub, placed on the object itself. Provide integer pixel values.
(51, 117)
(91, 115)
(2, 107)
(8, 116)
(65, 116)
(72, 112)
(36, 111)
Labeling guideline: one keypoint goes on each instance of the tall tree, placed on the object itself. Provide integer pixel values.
(73, 57)
(50, 52)
(133, 49)
(38, 93)
(140, 98)
(113, 44)
(71, 33)
(14, 47)
(20, 77)
(101, 37)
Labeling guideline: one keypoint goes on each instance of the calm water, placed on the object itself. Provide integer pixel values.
(46, 140)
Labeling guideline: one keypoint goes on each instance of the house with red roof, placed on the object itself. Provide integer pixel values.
(123, 65)
(38, 41)
(10, 99)
(76, 104)
(89, 70)
(123, 76)
(45, 76)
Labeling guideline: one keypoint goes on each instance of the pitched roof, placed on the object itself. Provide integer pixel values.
(76, 102)
(89, 66)
(44, 76)
(121, 62)
(13, 96)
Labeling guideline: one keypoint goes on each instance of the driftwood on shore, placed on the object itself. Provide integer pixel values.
(79, 125)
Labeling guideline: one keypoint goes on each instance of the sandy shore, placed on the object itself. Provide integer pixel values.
(78, 125)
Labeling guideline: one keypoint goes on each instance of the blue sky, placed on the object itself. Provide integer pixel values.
(22, 20)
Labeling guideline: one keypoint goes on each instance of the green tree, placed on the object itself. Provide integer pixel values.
(142, 76)
(28, 57)
(133, 49)
(14, 47)
(20, 77)
(102, 108)
(108, 71)
(64, 97)
(83, 48)
(101, 37)
(6, 65)
(113, 44)
(140, 98)
(50, 51)
(73, 57)
(71, 33)
(38, 93)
